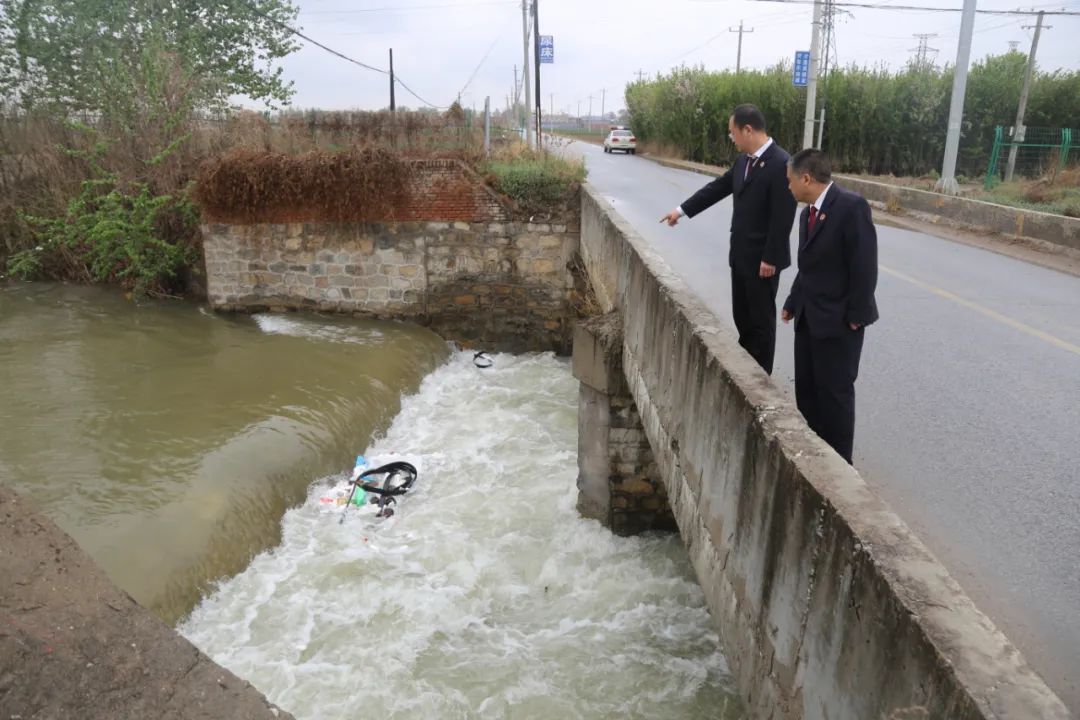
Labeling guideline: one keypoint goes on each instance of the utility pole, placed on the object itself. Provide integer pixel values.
(530, 134)
(551, 103)
(487, 125)
(603, 102)
(811, 79)
(1021, 131)
(640, 72)
(579, 109)
(738, 58)
(921, 52)
(536, 58)
(947, 183)
(393, 106)
(590, 109)
(829, 22)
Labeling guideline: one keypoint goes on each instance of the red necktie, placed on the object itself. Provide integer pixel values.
(812, 220)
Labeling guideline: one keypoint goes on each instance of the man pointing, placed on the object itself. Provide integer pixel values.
(764, 211)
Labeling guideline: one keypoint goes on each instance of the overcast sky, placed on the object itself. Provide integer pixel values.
(602, 44)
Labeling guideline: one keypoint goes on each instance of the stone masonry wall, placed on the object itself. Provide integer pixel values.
(497, 285)
(448, 256)
(639, 498)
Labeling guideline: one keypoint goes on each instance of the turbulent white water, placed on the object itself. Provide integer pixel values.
(486, 595)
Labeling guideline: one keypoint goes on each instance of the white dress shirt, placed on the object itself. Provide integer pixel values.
(821, 198)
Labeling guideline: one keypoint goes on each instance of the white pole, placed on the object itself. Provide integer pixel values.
(947, 183)
(811, 79)
(530, 129)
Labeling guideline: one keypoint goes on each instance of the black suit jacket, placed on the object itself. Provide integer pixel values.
(763, 214)
(837, 266)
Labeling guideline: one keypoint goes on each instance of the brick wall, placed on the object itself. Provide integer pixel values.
(448, 190)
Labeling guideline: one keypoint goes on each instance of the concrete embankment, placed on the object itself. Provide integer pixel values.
(72, 645)
(828, 605)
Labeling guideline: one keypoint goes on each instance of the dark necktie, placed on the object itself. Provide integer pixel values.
(750, 160)
(811, 220)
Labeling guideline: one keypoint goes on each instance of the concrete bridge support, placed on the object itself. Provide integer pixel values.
(618, 481)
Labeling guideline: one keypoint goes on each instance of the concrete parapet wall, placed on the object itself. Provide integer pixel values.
(827, 604)
(966, 213)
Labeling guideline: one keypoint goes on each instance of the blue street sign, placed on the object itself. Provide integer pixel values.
(801, 72)
(547, 49)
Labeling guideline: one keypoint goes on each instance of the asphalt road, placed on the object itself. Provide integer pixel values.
(968, 402)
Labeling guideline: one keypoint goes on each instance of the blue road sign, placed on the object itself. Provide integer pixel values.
(801, 71)
(547, 49)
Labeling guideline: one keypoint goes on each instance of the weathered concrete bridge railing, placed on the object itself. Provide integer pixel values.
(828, 605)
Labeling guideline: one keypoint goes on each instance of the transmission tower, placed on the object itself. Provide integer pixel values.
(922, 52)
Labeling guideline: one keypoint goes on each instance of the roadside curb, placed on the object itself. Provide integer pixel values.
(951, 218)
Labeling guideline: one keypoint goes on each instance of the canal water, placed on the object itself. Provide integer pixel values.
(190, 454)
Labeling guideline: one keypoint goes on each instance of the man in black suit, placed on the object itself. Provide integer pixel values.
(832, 298)
(760, 228)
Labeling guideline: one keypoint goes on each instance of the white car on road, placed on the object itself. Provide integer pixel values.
(620, 140)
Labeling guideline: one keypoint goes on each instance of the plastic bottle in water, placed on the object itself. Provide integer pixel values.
(360, 467)
(359, 495)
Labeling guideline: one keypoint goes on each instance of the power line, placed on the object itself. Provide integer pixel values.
(294, 31)
(713, 38)
(921, 8)
(297, 33)
(410, 91)
(480, 64)
(407, 8)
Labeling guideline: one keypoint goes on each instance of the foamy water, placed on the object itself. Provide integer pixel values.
(486, 595)
(303, 326)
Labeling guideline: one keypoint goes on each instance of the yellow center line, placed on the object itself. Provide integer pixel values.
(993, 315)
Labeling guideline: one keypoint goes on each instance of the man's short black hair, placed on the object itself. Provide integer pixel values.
(812, 162)
(747, 114)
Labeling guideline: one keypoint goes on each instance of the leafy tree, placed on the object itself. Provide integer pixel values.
(92, 55)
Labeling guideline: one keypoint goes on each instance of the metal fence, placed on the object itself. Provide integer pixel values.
(1030, 152)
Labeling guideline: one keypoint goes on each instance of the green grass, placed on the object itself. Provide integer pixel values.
(537, 182)
(593, 136)
(1063, 201)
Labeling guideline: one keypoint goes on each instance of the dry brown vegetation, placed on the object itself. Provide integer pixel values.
(246, 185)
(251, 163)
